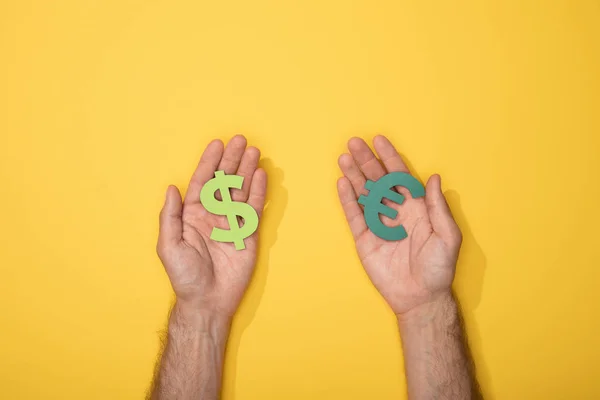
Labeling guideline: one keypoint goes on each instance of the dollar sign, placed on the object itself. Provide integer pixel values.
(231, 209)
(380, 189)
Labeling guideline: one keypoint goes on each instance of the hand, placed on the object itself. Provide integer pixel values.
(419, 269)
(209, 276)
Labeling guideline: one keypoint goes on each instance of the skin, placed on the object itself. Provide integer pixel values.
(413, 275)
(209, 278)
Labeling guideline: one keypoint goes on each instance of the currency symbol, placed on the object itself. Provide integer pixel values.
(231, 209)
(383, 188)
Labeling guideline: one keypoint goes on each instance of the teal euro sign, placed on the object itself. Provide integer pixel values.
(383, 189)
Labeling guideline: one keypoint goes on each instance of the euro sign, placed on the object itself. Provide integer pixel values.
(383, 189)
(231, 209)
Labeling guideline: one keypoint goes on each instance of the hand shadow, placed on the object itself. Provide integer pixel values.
(276, 201)
(468, 284)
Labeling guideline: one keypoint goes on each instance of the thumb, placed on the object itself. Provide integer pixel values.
(439, 212)
(171, 226)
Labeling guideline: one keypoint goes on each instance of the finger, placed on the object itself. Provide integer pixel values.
(365, 159)
(439, 212)
(233, 154)
(171, 226)
(388, 155)
(258, 191)
(353, 173)
(204, 171)
(352, 210)
(248, 165)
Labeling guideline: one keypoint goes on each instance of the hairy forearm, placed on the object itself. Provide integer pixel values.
(437, 359)
(192, 363)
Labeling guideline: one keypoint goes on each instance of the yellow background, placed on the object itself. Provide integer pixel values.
(104, 103)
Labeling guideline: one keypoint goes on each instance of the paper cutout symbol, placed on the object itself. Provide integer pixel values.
(383, 189)
(231, 209)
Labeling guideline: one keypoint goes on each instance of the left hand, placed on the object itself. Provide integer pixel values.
(209, 277)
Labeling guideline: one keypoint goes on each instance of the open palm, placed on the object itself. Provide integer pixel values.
(412, 271)
(208, 274)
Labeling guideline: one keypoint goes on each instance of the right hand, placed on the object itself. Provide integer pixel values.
(418, 270)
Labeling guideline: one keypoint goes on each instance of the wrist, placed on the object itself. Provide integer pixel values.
(440, 307)
(197, 321)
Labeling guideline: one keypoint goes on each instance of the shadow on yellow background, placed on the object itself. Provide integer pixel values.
(276, 201)
(470, 273)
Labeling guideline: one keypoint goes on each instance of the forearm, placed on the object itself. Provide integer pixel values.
(192, 363)
(437, 360)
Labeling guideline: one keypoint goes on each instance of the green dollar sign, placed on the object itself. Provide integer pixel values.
(380, 189)
(231, 209)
